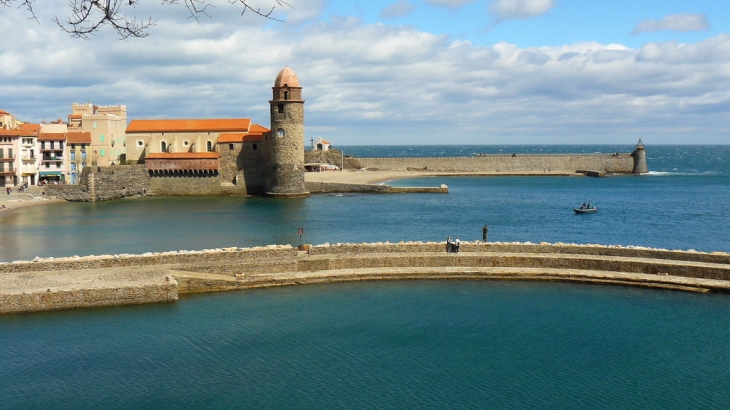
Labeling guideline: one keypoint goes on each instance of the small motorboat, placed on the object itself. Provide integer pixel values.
(585, 210)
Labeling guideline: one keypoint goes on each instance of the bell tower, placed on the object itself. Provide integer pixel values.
(284, 145)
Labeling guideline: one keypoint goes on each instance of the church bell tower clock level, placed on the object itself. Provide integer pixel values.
(284, 145)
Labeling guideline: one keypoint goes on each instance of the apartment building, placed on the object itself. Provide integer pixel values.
(106, 125)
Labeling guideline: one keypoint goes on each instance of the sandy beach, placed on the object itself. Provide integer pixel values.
(15, 204)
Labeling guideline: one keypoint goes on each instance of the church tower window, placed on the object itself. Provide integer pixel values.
(286, 95)
(280, 132)
(281, 108)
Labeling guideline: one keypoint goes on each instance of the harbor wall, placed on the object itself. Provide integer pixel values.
(76, 282)
(518, 164)
(132, 294)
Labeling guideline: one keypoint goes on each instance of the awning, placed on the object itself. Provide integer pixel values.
(47, 173)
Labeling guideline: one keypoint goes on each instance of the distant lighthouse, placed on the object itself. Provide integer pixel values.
(639, 159)
(284, 146)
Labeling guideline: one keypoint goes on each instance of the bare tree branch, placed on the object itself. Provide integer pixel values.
(89, 16)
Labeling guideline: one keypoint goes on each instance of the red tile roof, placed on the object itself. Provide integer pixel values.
(74, 116)
(78, 138)
(192, 125)
(52, 136)
(183, 155)
(30, 127)
(233, 138)
(3, 112)
(18, 133)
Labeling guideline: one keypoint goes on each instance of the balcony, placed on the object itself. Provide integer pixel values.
(49, 158)
(7, 159)
(29, 158)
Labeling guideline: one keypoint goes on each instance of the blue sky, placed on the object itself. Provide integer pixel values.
(568, 21)
(400, 72)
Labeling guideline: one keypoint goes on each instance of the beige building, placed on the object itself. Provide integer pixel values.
(106, 125)
(177, 136)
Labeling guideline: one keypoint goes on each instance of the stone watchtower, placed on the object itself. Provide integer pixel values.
(639, 159)
(284, 146)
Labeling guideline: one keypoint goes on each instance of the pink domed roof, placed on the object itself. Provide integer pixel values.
(286, 77)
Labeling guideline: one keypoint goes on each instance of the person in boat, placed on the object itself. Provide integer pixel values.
(589, 206)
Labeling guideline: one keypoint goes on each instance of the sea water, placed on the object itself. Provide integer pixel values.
(417, 344)
(684, 203)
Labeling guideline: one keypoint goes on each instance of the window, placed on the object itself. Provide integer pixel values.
(140, 143)
(1, 153)
(255, 147)
(186, 143)
(73, 166)
(102, 152)
(101, 138)
(163, 146)
(48, 164)
(73, 156)
(281, 108)
(10, 152)
(73, 146)
(58, 164)
(209, 145)
(94, 124)
(280, 132)
(43, 145)
(286, 95)
(60, 145)
(230, 147)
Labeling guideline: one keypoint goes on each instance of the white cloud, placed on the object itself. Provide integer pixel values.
(377, 84)
(674, 22)
(448, 3)
(401, 8)
(519, 9)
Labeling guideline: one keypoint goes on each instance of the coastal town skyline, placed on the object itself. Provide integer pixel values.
(427, 72)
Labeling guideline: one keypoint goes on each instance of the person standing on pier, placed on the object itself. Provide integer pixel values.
(484, 233)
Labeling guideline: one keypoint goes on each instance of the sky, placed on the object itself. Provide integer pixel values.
(383, 72)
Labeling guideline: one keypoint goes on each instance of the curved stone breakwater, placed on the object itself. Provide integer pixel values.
(90, 281)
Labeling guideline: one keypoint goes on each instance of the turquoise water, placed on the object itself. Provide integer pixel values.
(419, 344)
(378, 345)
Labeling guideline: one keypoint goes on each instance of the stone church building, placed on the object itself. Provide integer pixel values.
(227, 155)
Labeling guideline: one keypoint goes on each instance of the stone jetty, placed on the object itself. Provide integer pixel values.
(93, 281)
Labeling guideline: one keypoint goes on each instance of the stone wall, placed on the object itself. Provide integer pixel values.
(534, 164)
(241, 166)
(209, 256)
(103, 184)
(85, 298)
(62, 283)
(518, 247)
(186, 185)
